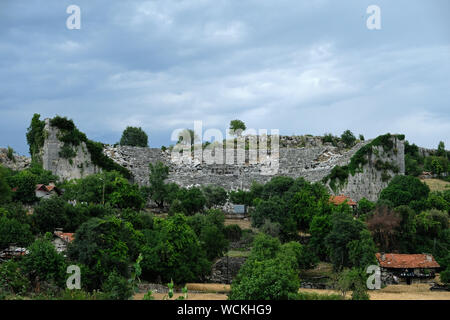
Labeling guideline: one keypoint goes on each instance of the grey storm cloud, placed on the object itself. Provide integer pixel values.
(303, 67)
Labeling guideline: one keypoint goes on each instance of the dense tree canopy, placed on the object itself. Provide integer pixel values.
(172, 250)
(135, 137)
(270, 272)
(402, 190)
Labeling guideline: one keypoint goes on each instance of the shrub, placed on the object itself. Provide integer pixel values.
(117, 287)
(348, 138)
(233, 232)
(135, 137)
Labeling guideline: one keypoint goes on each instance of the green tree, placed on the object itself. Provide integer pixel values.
(320, 227)
(126, 195)
(105, 246)
(25, 184)
(348, 138)
(173, 251)
(361, 252)
(402, 190)
(116, 287)
(105, 188)
(158, 174)
(50, 214)
(192, 200)
(236, 127)
(344, 230)
(12, 231)
(441, 150)
(406, 231)
(135, 137)
(215, 196)
(275, 210)
(210, 230)
(35, 135)
(365, 206)
(5, 189)
(12, 280)
(270, 272)
(44, 263)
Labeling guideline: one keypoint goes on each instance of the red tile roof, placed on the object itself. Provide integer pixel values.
(48, 188)
(69, 237)
(41, 187)
(395, 260)
(337, 200)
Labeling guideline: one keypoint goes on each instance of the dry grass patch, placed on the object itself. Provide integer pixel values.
(209, 287)
(243, 224)
(437, 184)
(191, 296)
(322, 269)
(396, 292)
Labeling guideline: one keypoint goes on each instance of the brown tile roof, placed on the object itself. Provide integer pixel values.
(48, 188)
(337, 200)
(41, 187)
(395, 260)
(68, 237)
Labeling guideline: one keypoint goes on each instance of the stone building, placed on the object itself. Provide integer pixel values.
(407, 268)
(61, 240)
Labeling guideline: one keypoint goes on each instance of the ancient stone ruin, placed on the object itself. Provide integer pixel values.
(297, 156)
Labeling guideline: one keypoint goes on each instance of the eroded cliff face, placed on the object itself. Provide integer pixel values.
(369, 183)
(76, 167)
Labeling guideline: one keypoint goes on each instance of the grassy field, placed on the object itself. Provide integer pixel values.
(238, 254)
(437, 184)
(212, 291)
(191, 296)
(243, 224)
(397, 292)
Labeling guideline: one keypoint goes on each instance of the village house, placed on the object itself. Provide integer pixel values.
(338, 200)
(407, 268)
(43, 191)
(62, 239)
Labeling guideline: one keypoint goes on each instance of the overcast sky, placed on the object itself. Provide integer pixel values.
(303, 67)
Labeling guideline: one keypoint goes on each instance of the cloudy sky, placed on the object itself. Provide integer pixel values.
(303, 67)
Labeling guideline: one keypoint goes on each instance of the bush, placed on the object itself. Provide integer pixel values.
(134, 137)
(44, 263)
(12, 281)
(117, 287)
(315, 296)
(402, 190)
(233, 232)
(35, 136)
(270, 272)
(215, 196)
(13, 231)
(172, 250)
(10, 154)
(348, 138)
(271, 228)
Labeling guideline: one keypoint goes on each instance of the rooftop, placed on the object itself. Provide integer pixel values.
(396, 260)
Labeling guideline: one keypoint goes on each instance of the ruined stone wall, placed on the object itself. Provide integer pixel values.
(77, 167)
(312, 163)
(298, 156)
(369, 183)
(17, 162)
